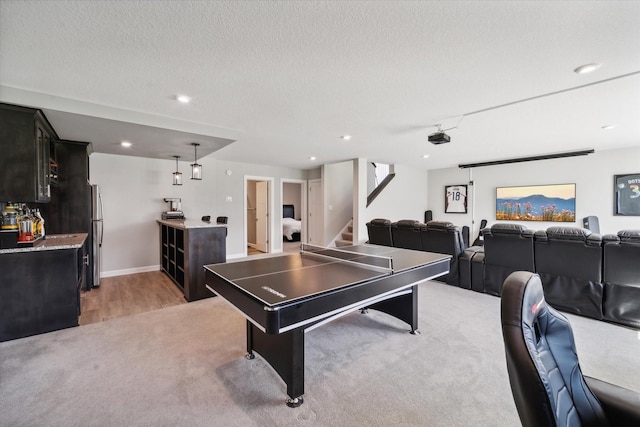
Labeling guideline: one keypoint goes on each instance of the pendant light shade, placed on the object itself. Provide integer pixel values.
(196, 169)
(177, 176)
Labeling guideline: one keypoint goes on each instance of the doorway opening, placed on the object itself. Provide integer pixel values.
(258, 208)
(294, 214)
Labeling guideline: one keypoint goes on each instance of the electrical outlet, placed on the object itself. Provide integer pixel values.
(229, 199)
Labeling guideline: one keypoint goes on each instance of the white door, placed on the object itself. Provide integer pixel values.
(262, 216)
(315, 212)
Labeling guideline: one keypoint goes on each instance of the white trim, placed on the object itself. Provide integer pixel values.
(126, 271)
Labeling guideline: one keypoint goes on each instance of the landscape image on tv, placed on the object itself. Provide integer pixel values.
(554, 203)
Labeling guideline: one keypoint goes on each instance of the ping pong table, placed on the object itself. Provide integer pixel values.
(284, 296)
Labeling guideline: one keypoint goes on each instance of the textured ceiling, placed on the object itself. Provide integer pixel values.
(285, 80)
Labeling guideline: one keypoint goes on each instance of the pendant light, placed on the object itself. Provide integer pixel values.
(177, 176)
(196, 169)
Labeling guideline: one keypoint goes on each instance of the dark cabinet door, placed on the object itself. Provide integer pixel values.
(39, 292)
(69, 210)
(25, 138)
(42, 166)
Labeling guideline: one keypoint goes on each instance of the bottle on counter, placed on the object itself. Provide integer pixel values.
(36, 224)
(40, 231)
(9, 217)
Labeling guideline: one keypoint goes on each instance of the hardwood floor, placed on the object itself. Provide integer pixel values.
(138, 293)
(253, 251)
(131, 294)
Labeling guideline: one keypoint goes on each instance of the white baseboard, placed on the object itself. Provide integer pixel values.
(114, 273)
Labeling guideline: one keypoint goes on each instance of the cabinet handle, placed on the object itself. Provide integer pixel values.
(86, 259)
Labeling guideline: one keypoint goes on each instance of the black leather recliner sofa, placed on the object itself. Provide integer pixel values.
(406, 234)
(581, 272)
(446, 238)
(507, 248)
(569, 262)
(379, 230)
(622, 278)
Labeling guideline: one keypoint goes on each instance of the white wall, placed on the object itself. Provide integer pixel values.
(404, 198)
(133, 189)
(338, 198)
(592, 174)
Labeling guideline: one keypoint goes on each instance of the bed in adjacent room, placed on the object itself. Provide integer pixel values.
(291, 227)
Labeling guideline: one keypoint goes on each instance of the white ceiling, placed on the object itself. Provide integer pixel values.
(285, 80)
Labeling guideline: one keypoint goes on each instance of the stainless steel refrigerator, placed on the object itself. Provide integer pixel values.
(97, 233)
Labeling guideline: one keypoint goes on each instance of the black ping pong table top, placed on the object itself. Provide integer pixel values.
(287, 278)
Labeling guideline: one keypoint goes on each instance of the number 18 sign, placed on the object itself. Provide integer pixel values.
(455, 199)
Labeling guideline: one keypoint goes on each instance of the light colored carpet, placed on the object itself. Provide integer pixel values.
(184, 365)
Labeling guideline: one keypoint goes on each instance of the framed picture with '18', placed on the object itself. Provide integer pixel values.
(455, 199)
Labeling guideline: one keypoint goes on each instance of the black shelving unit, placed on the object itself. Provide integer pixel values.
(184, 251)
(173, 254)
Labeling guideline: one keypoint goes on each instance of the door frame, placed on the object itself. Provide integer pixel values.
(318, 220)
(303, 205)
(270, 196)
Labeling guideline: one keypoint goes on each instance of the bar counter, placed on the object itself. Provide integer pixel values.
(186, 246)
(189, 223)
(52, 242)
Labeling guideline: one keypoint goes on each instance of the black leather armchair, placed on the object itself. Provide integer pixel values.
(379, 230)
(446, 238)
(507, 248)
(544, 372)
(622, 278)
(569, 262)
(406, 234)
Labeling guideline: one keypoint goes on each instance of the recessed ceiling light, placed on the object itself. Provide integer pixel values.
(587, 68)
(183, 98)
(126, 144)
(425, 156)
(346, 137)
(312, 158)
(609, 127)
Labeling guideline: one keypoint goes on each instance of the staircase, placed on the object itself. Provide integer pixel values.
(346, 236)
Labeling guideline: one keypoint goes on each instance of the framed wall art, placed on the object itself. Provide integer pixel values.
(626, 194)
(455, 199)
(554, 203)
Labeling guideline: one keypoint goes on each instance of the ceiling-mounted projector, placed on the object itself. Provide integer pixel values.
(439, 138)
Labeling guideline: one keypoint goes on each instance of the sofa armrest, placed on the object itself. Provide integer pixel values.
(620, 405)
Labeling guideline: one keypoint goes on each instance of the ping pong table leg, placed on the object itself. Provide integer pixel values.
(403, 307)
(285, 353)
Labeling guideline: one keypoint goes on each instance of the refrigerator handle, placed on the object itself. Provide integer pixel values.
(101, 219)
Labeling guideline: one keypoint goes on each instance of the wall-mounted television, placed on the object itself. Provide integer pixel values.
(553, 203)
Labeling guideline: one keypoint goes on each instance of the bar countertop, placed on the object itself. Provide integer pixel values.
(52, 242)
(189, 223)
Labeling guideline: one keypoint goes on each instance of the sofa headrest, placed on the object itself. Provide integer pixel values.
(380, 222)
(610, 238)
(629, 237)
(407, 223)
(502, 228)
(568, 233)
(440, 225)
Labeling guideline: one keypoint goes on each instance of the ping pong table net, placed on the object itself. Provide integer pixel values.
(377, 262)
